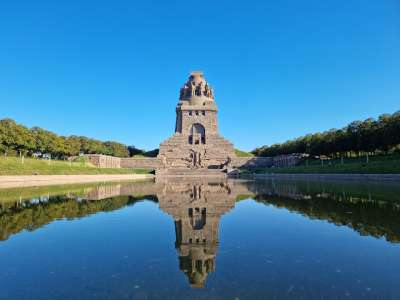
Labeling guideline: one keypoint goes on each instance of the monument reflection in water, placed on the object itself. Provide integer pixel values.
(254, 259)
(197, 208)
(195, 205)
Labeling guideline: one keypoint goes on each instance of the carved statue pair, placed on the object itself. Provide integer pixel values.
(196, 160)
(193, 90)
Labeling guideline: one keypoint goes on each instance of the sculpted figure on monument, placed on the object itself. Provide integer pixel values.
(188, 161)
(193, 88)
(206, 91)
(202, 89)
(211, 93)
(195, 160)
(198, 89)
(192, 159)
(199, 160)
(184, 92)
(227, 164)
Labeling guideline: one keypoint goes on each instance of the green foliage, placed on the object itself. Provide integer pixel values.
(48, 142)
(389, 164)
(358, 138)
(31, 216)
(240, 153)
(17, 139)
(368, 209)
(18, 212)
(134, 151)
(14, 166)
(151, 153)
(142, 153)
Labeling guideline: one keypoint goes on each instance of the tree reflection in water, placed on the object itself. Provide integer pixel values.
(198, 205)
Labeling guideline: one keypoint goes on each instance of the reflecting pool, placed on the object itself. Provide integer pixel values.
(201, 239)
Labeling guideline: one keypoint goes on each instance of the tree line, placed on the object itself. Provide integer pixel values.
(16, 139)
(15, 217)
(371, 136)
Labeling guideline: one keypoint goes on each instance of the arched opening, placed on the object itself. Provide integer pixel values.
(198, 217)
(197, 134)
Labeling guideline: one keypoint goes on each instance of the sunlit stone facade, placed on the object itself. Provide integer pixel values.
(196, 145)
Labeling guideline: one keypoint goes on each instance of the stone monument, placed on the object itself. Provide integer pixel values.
(196, 148)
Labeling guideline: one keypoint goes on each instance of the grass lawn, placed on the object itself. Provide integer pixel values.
(30, 166)
(240, 153)
(377, 165)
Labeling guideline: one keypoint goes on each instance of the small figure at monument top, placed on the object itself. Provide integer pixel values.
(196, 145)
(196, 86)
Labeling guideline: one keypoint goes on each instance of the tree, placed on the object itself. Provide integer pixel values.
(134, 151)
(359, 137)
(15, 137)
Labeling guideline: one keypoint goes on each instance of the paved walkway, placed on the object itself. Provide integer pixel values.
(369, 177)
(41, 180)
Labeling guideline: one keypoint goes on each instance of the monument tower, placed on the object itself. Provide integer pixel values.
(196, 146)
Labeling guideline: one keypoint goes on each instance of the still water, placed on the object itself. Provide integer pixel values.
(178, 239)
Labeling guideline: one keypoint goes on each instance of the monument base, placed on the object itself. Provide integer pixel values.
(185, 172)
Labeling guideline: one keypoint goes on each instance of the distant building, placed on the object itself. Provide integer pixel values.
(39, 154)
(46, 155)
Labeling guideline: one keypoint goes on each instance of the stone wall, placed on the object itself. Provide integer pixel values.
(104, 161)
(289, 160)
(237, 162)
(141, 163)
(252, 162)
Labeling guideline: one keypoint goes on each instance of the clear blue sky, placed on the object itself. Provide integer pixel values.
(112, 69)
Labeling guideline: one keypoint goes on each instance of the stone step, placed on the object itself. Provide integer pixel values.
(192, 172)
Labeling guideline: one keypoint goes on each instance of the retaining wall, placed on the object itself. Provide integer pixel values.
(252, 162)
(105, 161)
(141, 163)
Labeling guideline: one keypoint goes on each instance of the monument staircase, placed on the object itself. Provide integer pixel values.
(186, 172)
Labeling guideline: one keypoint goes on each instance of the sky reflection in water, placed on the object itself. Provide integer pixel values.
(201, 239)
